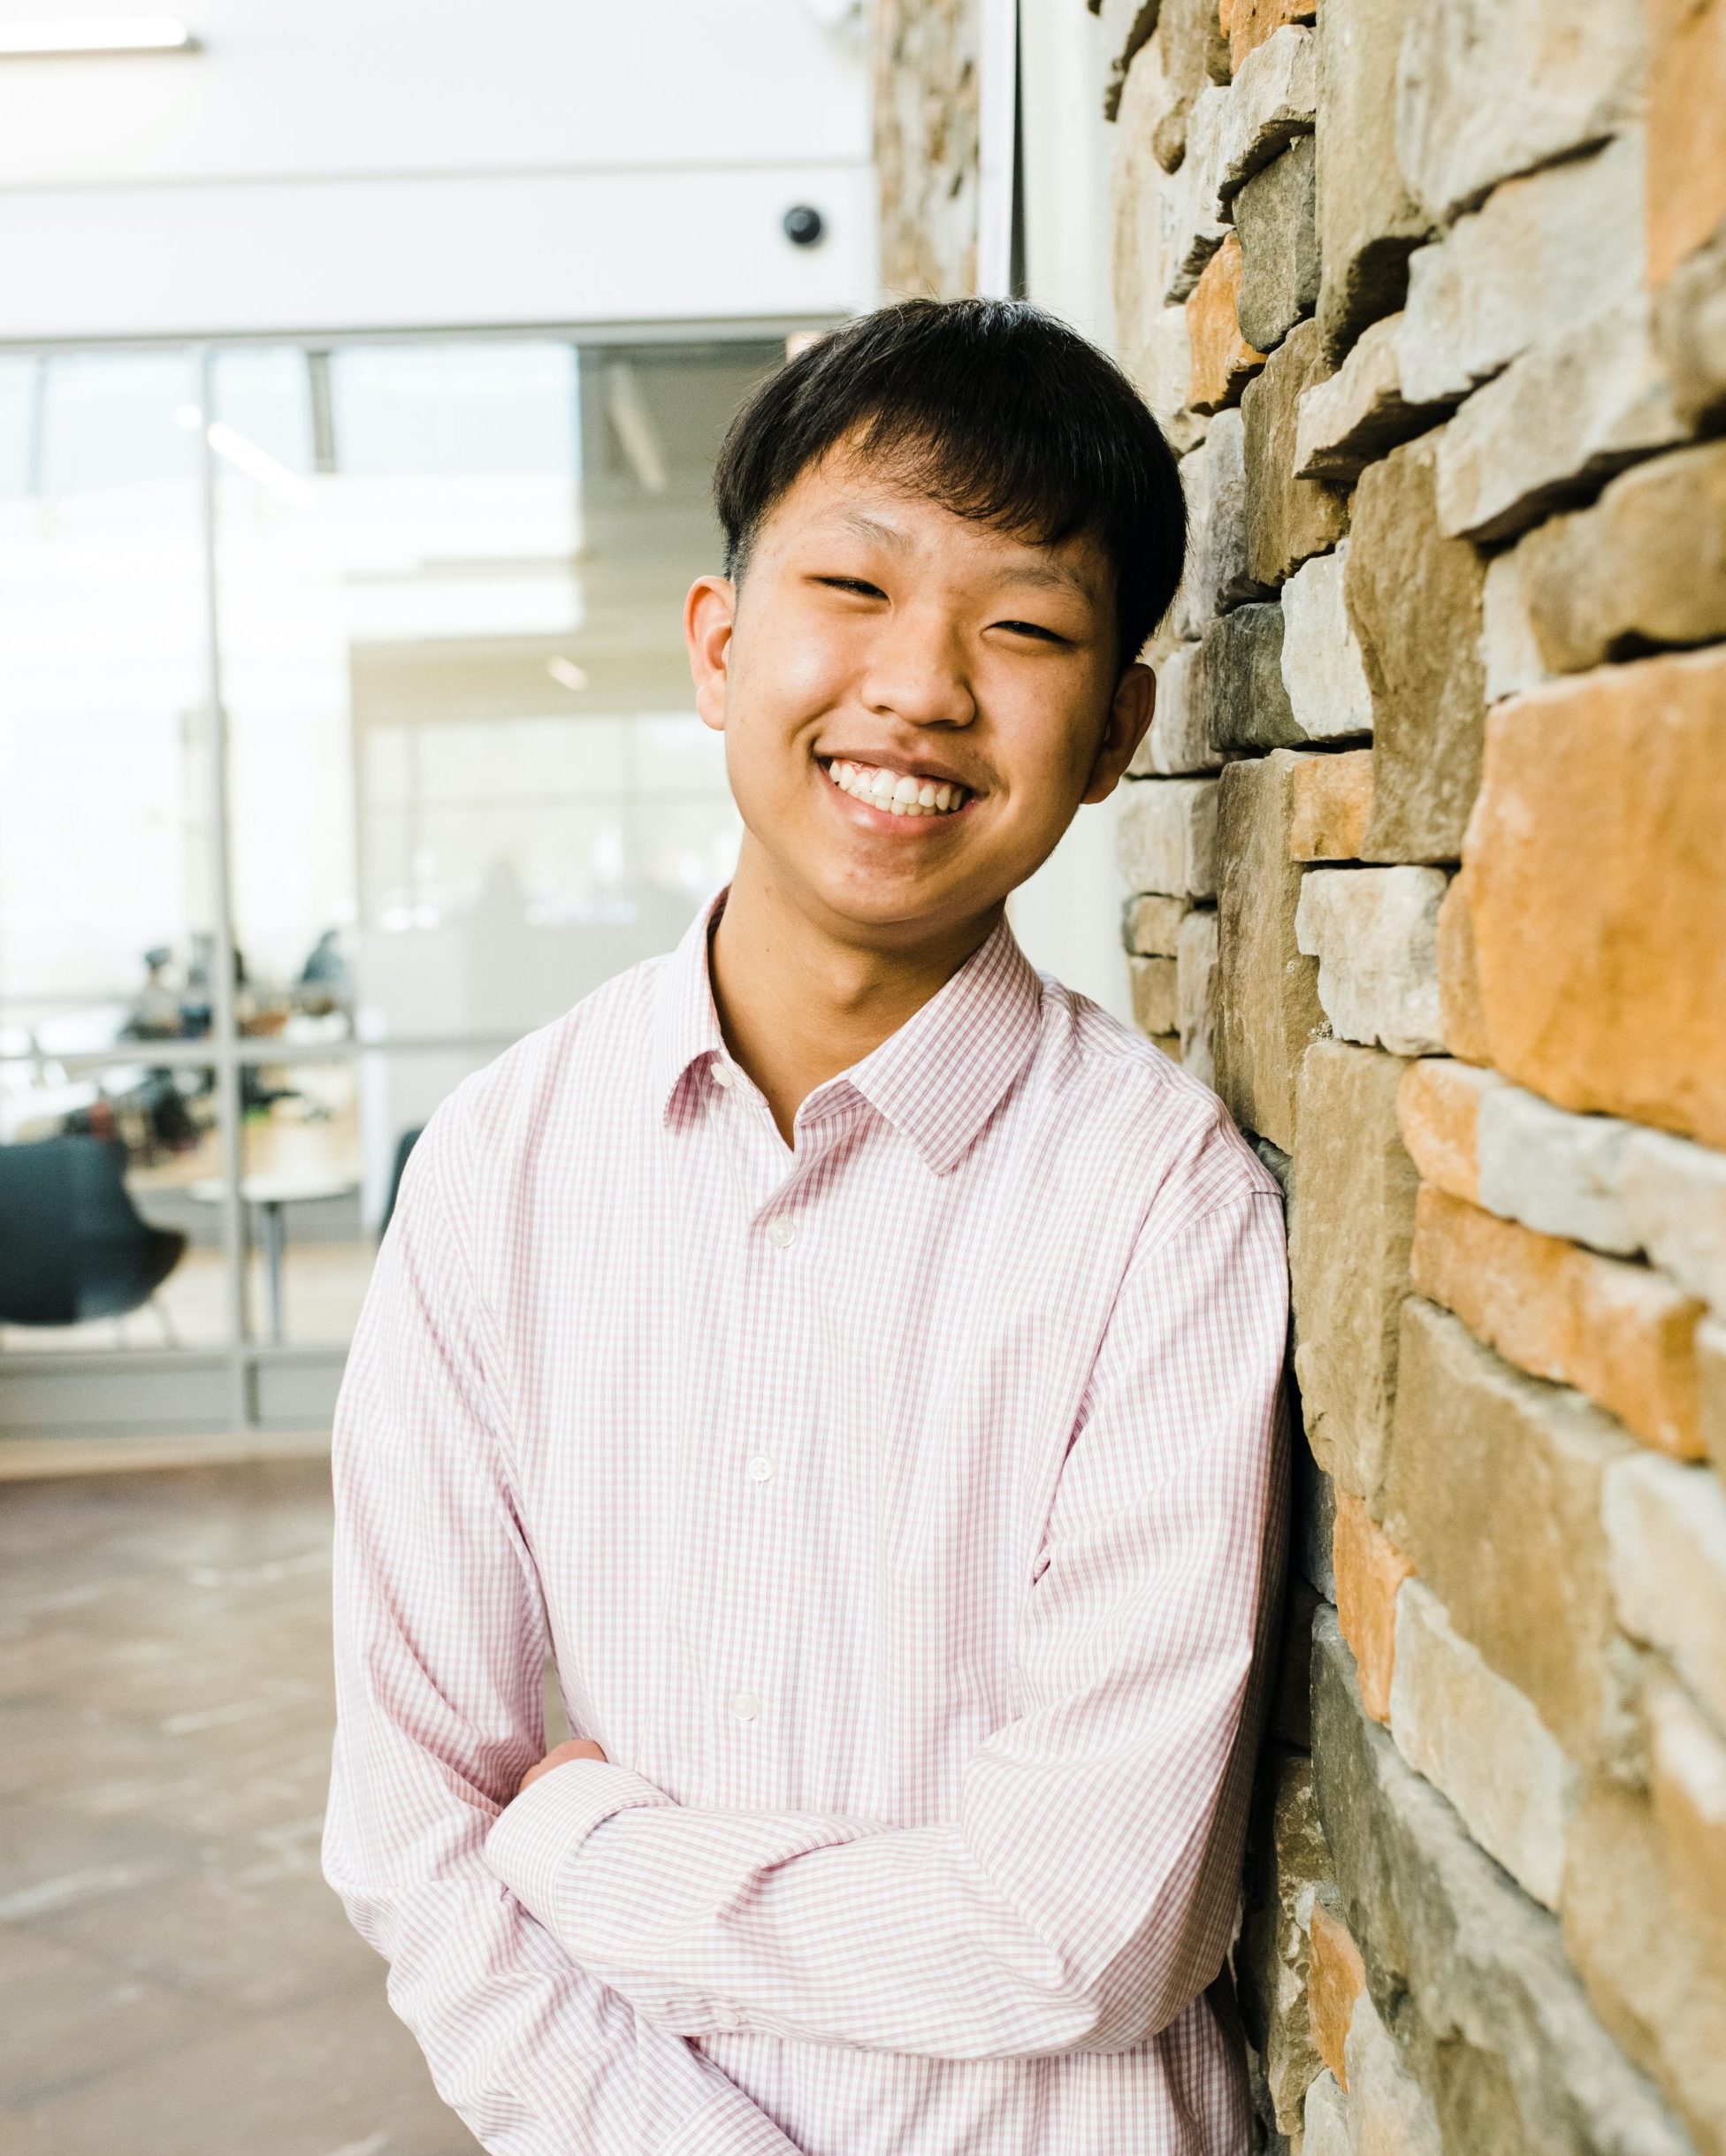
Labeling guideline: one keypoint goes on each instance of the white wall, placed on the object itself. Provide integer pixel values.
(365, 165)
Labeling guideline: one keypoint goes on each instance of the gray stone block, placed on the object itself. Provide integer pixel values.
(1374, 932)
(1166, 837)
(1489, 89)
(1287, 1862)
(1270, 102)
(1288, 519)
(1415, 597)
(1267, 1005)
(1194, 52)
(1645, 565)
(1469, 1972)
(1274, 217)
(1355, 415)
(1196, 994)
(1178, 739)
(1193, 228)
(1689, 328)
(1236, 689)
(1554, 1171)
(1321, 655)
(1541, 256)
(1559, 420)
(1214, 479)
(1369, 218)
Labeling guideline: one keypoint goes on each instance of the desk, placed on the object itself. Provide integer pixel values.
(273, 1195)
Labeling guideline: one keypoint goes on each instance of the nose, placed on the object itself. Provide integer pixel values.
(916, 670)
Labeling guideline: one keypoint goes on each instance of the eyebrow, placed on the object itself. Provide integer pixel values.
(874, 528)
(1052, 576)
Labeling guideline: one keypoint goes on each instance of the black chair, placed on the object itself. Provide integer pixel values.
(73, 1245)
(405, 1145)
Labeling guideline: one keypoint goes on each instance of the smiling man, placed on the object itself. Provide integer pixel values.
(855, 1357)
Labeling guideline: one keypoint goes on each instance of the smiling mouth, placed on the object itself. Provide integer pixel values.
(901, 793)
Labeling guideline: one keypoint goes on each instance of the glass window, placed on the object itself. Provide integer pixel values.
(104, 839)
(463, 779)
(21, 383)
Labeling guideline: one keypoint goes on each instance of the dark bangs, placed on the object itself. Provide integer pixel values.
(994, 409)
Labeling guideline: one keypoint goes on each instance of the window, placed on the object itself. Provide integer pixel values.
(458, 780)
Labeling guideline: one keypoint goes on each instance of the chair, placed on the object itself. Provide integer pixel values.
(73, 1245)
(405, 1145)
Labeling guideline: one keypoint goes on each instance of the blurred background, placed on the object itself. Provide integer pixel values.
(362, 372)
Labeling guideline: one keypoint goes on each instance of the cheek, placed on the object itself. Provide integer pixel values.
(1049, 733)
(795, 673)
(772, 700)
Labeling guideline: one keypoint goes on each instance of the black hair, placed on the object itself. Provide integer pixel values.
(990, 407)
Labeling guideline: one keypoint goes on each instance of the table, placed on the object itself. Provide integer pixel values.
(273, 1195)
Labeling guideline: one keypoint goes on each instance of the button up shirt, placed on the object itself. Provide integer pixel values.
(902, 1508)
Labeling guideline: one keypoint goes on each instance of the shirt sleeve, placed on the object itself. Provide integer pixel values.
(1085, 1892)
(440, 1639)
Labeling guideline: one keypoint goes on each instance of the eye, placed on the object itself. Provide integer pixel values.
(857, 584)
(1034, 629)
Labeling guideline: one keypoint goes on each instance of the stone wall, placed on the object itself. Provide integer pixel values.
(926, 147)
(1426, 853)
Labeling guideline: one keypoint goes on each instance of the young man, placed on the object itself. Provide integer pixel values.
(855, 1356)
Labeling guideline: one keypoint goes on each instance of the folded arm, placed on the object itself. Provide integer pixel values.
(440, 1641)
(1085, 1892)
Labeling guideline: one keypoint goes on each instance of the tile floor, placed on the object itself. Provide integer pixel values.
(178, 1980)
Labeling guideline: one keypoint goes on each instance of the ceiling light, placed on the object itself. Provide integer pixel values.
(94, 33)
(244, 453)
(566, 673)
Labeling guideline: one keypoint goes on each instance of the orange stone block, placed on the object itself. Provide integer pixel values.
(1620, 1334)
(1336, 1977)
(1330, 800)
(1595, 868)
(1437, 1112)
(1460, 1020)
(1222, 358)
(1369, 1568)
(1250, 22)
(1684, 166)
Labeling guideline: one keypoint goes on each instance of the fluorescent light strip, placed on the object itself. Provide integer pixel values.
(94, 33)
(243, 453)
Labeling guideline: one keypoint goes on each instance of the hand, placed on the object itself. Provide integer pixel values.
(577, 1747)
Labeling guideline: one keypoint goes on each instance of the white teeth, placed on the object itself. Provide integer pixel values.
(899, 792)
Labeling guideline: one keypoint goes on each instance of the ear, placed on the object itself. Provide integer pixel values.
(709, 612)
(1129, 719)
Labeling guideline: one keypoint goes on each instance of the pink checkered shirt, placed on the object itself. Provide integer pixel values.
(903, 1511)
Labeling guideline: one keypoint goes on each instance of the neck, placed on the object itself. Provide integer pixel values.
(799, 1001)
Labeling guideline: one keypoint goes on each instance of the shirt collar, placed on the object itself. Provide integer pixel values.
(936, 1081)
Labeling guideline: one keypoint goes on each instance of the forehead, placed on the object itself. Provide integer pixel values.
(842, 496)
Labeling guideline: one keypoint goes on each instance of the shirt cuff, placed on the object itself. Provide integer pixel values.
(536, 1835)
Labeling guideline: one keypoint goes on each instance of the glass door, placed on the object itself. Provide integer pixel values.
(349, 737)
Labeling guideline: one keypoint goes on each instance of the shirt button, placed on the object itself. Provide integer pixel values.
(722, 1073)
(759, 1468)
(729, 2017)
(745, 1706)
(781, 1232)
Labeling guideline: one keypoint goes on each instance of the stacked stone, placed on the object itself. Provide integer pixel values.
(1426, 852)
